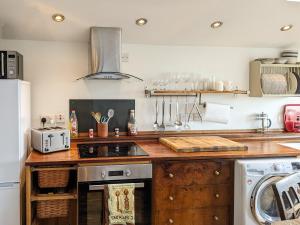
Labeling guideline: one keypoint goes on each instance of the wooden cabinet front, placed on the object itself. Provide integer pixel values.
(202, 216)
(193, 192)
(193, 196)
(172, 173)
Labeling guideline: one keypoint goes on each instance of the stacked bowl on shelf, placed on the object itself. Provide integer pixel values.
(290, 56)
(286, 57)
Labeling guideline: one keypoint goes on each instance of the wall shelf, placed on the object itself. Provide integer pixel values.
(280, 65)
(257, 69)
(151, 93)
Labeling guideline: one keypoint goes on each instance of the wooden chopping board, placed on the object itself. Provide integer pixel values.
(201, 144)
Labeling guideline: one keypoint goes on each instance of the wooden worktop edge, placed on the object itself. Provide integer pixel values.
(238, 135)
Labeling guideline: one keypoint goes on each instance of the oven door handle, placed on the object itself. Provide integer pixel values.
(101, 186)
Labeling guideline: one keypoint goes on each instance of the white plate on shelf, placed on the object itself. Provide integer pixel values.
(274, 84)
(292, 83)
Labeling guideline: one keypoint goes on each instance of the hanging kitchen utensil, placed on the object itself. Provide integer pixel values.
(178, 122)
(162, 126)
(170, 122)
(195, 105)
(155, 124)
(186, 125)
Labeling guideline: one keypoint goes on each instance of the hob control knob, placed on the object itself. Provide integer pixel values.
(103, 174)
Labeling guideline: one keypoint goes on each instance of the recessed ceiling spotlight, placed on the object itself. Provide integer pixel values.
(141, 21)
(216, 24)
(58, 17)
(286, 27)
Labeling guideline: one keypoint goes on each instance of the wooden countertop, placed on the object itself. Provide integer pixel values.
(157, 151)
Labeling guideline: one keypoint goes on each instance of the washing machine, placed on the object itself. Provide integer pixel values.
(254, 200)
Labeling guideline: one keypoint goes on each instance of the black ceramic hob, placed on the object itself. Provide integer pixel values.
(98, 150)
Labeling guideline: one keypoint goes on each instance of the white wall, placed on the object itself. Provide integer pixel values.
(52, 68)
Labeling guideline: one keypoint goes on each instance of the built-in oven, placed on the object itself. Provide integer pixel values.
(91, 184)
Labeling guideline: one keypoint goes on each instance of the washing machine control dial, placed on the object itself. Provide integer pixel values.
(277, 167)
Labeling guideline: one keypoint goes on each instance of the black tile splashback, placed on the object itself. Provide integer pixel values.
(84, 107)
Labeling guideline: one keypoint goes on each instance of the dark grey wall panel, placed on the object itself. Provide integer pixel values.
(84, 107)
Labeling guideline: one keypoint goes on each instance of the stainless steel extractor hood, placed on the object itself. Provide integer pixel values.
(105, 52)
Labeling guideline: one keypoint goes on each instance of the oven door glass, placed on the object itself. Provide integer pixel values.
(91, 203)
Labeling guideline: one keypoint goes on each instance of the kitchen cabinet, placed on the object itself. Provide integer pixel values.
(193, 192)
(51, 205)
(205, 216)
(188, 188)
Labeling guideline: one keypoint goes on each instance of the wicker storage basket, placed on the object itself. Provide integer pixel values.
(53, 178)
(52, 209)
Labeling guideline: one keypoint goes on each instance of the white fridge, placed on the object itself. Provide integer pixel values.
(15, 124)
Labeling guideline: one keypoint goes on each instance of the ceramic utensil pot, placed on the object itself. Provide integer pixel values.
(102, 129)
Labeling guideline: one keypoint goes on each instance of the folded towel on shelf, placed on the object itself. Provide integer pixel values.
(287, 222)
(218, 113)
(120, 204)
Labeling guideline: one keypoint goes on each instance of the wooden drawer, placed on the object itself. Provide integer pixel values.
(194, 196)
(192, 172)
(205, 216)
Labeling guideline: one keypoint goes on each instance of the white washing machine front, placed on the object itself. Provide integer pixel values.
(254, 201)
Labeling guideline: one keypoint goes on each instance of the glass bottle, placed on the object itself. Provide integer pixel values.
(73, 125)
(132, 125)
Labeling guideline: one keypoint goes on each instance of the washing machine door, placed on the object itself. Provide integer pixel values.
(263, 203)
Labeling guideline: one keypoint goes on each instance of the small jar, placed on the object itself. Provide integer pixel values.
(117, 132)
(219, 86)
(228, 85)
(91, 133)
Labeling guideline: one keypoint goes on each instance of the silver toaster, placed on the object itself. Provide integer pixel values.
(50, 139)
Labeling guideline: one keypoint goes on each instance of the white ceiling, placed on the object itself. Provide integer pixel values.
(254, 23)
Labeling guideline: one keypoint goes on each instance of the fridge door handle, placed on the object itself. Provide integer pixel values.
(8, 185)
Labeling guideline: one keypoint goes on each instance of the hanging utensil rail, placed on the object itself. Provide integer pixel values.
(153, 93)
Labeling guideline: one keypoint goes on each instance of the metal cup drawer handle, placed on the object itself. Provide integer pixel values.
(216, 218)
(171, 198)
(171, 221)
(217, 195)
(217, 173)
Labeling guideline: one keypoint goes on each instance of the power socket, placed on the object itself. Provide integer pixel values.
(50, 121)
(60, 118)
(53, 120)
